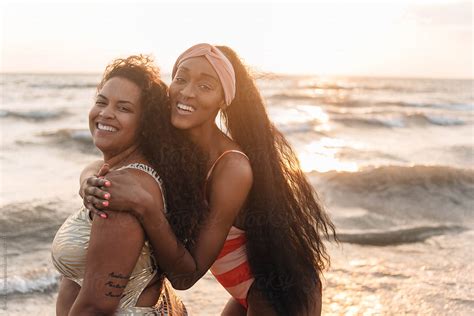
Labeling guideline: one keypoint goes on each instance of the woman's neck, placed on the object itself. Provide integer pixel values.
(209, 138)
(122, 158)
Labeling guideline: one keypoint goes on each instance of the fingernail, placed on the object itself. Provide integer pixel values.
(105, 203)
(106, 196)
(103, 215)
(107, 184)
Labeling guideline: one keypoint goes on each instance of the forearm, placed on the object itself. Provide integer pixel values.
(84, 310)
(89, 171)
(179, 264)
(68, 304)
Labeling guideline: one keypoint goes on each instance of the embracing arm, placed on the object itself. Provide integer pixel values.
(90, 170)
(231, 184)
(114, 246)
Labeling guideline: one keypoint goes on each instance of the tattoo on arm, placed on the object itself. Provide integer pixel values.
(113, 295)
(116, 285)
(118, 276)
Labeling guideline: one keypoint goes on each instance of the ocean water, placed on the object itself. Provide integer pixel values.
(391, 158)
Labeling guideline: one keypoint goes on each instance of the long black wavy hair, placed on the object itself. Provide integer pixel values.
(178, 161)
(285, 221)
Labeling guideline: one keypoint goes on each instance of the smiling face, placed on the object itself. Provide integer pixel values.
(196, 94)
(114, 118)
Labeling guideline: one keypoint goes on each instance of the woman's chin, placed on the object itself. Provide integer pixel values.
(180, 122)
(101, 146)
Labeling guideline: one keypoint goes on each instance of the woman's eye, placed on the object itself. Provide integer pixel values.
(123, 109)
(179, 80)
(100, 103)
(205, 87)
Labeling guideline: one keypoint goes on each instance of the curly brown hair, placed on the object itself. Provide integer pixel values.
(285, 220)
(178, 161)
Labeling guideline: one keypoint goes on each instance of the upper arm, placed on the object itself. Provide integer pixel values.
(229, 189)
(114, 246)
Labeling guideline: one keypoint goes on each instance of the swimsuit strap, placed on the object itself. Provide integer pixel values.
(222, 155)
(214, 164)
(152, 172)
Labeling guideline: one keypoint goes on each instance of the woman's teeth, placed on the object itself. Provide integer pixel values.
(185, 107)
(103, 127)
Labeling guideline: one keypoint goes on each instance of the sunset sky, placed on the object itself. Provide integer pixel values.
(417, 38)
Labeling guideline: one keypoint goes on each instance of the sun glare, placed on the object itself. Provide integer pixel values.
(321, 156)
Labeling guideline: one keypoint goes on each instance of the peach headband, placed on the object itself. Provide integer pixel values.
(218, 61)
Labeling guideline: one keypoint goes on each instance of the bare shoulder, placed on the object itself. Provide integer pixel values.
(235, 167)
(95, 165)
(233, 172)
(145, 180)
(148, 185)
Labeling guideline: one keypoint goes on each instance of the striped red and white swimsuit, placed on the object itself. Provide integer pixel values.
(231, 268)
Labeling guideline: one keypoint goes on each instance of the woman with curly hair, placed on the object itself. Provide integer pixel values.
(262, 234)
(108, 266)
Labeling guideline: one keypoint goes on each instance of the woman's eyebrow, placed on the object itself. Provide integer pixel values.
(125, 101)
(209, 76)
(204, 74)
(119, 101)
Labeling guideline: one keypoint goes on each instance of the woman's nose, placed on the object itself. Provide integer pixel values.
(107, 112)
(187, 91)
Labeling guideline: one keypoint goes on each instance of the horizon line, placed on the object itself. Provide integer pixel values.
(258, 75)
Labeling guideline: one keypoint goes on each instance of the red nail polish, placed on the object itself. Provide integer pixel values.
(108, 184)
(105, 203)
(107, 196)
(103, 215)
